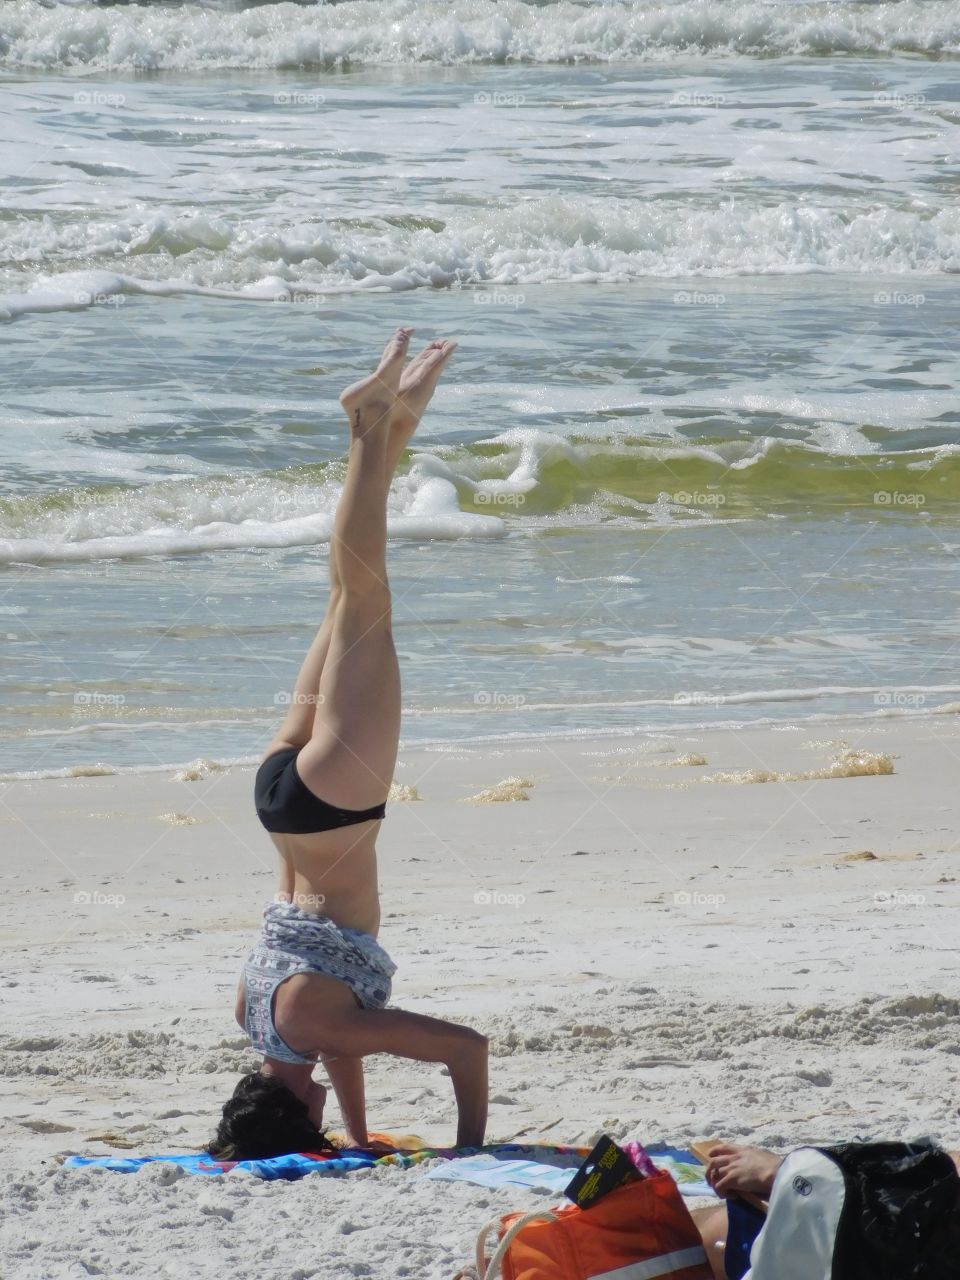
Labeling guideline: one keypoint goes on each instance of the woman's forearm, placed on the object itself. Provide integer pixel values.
(359, 1032)
(346, 1076)
(468, 1072)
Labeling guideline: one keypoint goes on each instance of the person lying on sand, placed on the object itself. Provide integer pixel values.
(745, 1172)
(732, 1171)
(313, 989)
(748, 1172)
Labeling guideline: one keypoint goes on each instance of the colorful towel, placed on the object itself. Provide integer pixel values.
(503, 1164)
(295, 1166)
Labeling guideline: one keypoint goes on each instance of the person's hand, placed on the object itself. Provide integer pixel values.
(735, 1170)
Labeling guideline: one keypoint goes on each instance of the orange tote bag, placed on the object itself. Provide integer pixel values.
(640, 1231)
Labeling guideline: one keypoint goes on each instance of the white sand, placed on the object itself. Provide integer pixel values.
(651, 954)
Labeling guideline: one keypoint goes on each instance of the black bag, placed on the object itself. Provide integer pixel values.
(862, 1211)
(900, 1217)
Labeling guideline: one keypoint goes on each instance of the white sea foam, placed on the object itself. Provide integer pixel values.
(77, 290)
(913, 700)
(614, 580)
(539, 240)
(193, 37)
(193, 514)
(95, 771)
(518, 479)
(432, 517)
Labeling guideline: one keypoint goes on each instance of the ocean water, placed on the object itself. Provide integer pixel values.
(696, 460)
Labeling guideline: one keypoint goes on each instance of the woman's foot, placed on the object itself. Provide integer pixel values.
(733, 1170)
(417, 385)
(370, 403)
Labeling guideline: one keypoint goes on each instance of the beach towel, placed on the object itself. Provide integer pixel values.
(495, 1170)
(291, 1167)
(552, 1173)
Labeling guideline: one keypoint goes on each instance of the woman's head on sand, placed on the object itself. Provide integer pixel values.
(265, 1118)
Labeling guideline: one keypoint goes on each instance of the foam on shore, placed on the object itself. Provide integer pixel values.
(514, 788)
(192, 37)
(850, 764)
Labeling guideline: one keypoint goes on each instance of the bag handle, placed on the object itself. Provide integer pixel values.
(490, 1270)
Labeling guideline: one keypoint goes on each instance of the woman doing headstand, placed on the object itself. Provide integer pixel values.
(314, 988)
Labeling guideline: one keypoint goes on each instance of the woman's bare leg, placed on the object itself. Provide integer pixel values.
(417, 384)
(407, 400)
(351, 755)
(297, 724)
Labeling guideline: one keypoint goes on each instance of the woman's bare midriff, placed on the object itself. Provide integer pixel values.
(333, 874)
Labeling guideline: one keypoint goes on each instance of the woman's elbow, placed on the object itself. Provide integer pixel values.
(470, 1046)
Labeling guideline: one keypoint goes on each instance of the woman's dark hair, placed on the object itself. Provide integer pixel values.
(264, 1118)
